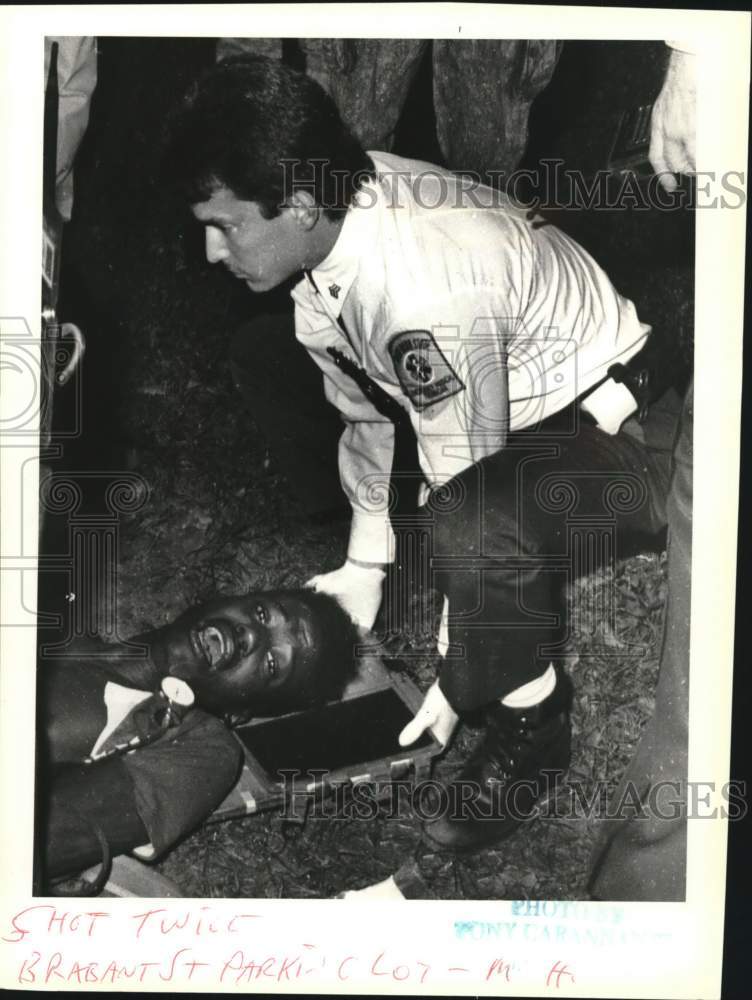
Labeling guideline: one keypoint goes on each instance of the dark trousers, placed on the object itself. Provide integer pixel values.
(644, 858)
(511, 531)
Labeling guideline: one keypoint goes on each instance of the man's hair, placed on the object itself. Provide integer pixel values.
(263, 130)
(326, 679)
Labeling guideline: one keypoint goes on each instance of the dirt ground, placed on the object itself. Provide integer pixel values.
(220, 517)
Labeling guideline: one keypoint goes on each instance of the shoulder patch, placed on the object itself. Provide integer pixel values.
(424, 373)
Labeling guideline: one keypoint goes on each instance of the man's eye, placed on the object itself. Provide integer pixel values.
(261, 614)
(271, 664)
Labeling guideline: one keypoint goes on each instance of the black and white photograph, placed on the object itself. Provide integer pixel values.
(364, 458)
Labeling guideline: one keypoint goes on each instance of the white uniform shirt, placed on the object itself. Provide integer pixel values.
(119, 701)
(475, 318)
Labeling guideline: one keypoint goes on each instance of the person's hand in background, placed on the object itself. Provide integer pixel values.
(672, 127)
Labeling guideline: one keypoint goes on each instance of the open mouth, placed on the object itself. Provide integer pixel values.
(215, 642)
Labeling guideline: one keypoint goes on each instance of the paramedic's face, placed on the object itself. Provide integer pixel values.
(261, 252)
(234, 650)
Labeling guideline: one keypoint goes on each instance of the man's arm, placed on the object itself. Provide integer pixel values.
(365, 459)
(449, 355)
(90, 811)
(77, 78)
(672, 127)
(145, 799)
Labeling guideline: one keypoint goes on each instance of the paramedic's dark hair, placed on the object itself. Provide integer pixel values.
(263, 130)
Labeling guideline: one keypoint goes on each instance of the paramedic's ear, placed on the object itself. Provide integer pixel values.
(304, 209)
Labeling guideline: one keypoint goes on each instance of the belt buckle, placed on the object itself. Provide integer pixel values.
(638, 383)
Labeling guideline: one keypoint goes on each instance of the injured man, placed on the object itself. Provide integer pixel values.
(136, 748)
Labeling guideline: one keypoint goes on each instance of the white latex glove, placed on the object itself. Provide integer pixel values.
(357, 588)
(672, 126)
(381, 890)
(435, 713)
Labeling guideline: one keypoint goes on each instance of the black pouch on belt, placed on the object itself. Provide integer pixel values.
(647, 375)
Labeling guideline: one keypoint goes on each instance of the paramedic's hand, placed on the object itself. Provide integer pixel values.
(672, 128)
(357, 588)
(435, 713)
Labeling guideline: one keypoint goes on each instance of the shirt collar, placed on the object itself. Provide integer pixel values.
(334, 276)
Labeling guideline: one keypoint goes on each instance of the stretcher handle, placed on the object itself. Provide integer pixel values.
(79, 346)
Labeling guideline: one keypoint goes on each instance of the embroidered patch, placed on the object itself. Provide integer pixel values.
(424, 373)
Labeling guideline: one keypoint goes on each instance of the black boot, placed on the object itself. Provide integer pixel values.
(524, 753)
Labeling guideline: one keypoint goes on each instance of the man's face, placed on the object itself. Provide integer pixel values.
(261, 252)
(234, 651)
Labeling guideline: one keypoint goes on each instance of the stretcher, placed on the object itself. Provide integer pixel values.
(292, 758)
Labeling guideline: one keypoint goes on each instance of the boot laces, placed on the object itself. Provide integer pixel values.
(508, 739)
